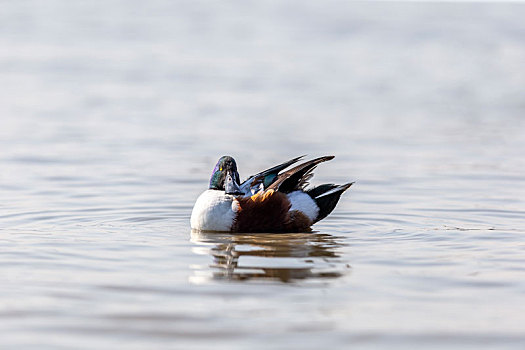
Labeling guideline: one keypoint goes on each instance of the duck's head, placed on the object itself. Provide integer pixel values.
(225, 176)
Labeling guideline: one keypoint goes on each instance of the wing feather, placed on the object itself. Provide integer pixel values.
(297, 177)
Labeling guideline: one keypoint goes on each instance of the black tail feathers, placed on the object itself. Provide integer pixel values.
(326, 197)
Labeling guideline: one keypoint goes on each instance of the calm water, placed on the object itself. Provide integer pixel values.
(113, 114)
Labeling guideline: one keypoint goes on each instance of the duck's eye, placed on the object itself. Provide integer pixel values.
(220, 169)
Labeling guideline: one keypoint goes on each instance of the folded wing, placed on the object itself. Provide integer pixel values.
(297, 178)
(266, 177)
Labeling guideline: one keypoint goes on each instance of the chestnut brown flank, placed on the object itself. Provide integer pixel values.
(298, 222)
(268, 211)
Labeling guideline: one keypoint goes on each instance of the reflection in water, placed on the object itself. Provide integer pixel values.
(282, 257)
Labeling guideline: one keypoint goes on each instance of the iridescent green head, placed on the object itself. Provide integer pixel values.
(225, 176)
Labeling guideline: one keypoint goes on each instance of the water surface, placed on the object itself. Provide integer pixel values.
(113, 114)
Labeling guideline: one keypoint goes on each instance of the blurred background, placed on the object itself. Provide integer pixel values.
(113, 114)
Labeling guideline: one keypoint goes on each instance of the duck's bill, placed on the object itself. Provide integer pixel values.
(231, 186)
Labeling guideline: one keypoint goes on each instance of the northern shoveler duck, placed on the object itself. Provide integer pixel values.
(270, 201)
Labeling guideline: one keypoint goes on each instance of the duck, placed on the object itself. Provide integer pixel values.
(271, 201)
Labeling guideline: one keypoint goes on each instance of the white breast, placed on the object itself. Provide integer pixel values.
(213, 211)
(304, 203)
